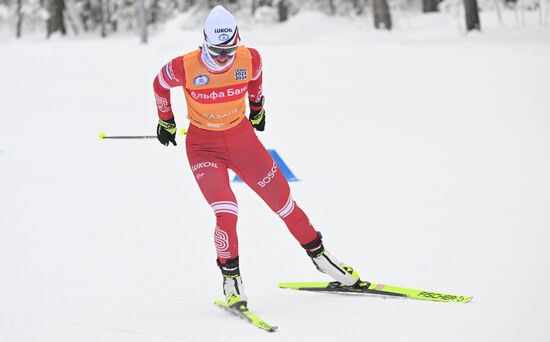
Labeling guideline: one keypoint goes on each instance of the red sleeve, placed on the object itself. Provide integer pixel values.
(255, 86)
(171, 75)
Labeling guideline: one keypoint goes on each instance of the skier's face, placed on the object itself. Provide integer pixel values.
(222, 54)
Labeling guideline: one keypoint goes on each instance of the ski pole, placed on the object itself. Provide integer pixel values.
(103, 135)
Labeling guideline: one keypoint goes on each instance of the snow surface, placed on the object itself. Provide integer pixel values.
(424, 159)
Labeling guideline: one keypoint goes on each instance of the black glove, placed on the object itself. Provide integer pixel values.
(257, 115)
(166, 132)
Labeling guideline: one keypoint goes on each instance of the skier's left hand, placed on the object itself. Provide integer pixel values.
(257, 115)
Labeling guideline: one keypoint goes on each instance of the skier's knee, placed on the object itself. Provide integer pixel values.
(223, 208)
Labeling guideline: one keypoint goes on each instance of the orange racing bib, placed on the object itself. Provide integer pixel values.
(216, 101)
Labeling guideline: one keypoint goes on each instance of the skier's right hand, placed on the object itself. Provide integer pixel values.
(166, 132)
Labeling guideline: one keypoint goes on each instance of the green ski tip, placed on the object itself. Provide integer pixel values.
(247, 315)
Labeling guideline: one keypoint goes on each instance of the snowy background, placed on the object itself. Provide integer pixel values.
(424, 155)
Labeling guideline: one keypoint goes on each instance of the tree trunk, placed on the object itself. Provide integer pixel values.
(56, 20)
(382, 16)
(332, 7)
(19, 19)
(282, 7)
(543, 12)
(69, 18)
(102, 19)
(143, 21)
(429, 6)
(358, 6)
(472, 15)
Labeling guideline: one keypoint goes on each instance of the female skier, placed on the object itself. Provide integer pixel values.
(215, 79)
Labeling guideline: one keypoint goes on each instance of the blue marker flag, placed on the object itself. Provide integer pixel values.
(282, 167)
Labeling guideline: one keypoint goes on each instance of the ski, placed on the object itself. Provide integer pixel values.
(247, 315)
(376, 289)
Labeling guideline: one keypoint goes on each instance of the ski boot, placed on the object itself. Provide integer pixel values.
(328, 264)
(233, 284)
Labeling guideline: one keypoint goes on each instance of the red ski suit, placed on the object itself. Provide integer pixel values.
(220, 138)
